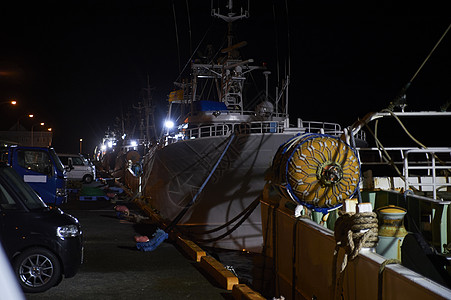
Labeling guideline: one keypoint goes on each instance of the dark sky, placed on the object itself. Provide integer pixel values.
(79, 66)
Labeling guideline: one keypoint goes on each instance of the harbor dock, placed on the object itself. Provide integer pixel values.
(114, 268)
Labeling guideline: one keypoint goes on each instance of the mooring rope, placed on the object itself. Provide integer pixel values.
(353, 231)
(381, 275)
(228, 232)
(251, 206)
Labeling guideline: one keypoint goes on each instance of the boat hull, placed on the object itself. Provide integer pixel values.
(178, 171)
(308, 266)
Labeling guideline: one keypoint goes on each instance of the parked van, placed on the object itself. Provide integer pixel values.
(42, 243)
(78, 167)
(41, 168)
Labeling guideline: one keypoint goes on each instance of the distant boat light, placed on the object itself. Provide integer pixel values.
(169, 124)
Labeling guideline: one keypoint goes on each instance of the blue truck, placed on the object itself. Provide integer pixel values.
(41, 168)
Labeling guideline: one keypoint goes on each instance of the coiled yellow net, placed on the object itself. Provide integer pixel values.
(318, 170)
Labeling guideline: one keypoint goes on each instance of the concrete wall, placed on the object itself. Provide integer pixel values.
(24, 138)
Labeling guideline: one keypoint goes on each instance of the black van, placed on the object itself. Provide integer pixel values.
(43, 243)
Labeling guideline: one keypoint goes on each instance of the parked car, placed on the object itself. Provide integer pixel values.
(41, 168)
(42, 242)
(78, 167)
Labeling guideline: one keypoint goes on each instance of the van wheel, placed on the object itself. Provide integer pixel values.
(87, 179)
(37, 269)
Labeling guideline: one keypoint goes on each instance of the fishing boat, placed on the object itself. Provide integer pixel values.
(408, 186)
(206, 174)
(344, 220)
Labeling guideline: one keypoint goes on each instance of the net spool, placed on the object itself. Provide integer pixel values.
(317, 170)
(133, 155)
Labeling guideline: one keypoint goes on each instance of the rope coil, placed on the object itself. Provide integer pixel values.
(353, 231)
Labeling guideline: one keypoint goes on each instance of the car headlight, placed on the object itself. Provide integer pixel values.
(67, 231)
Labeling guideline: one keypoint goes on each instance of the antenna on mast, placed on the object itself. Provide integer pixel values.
(231, 16)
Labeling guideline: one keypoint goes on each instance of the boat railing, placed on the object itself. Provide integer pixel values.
(425, 170)
(207, 131)
(377, 156)
(258, 127)
(421, 184)
(435, 166)
(216, 130)
(321, 127)
(333, 129)
(361, 135)
(250, 113)
(255, 127)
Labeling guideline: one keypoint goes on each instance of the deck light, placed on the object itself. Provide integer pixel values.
(169, 124)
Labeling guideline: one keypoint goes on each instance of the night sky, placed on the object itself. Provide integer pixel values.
(79, 66)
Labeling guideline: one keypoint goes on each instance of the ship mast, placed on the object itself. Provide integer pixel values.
(147, 109)
(150, 115)
(232, 75)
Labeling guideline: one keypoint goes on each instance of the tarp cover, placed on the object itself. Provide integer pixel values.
(206, 105)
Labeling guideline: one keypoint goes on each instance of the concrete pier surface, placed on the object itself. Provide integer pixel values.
(113, 268)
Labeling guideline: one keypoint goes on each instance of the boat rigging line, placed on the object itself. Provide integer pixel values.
(194, 52)
(288, 40)
(277, 44)
(189, 28)
(400, 100)
(176, 34)
(421, 145)
(185, 209)
(433, 49)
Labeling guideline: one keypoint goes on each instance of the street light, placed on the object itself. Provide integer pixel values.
(81, 142)
(20, 118)
(32, 138)
(12, 102)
